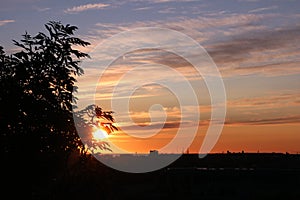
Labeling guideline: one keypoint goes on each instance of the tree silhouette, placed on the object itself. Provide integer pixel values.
(93, 117)
(37, 124)
(37, 85)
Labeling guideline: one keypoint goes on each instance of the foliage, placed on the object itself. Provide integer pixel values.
(90, 118)
(37, 91)
(94, 115)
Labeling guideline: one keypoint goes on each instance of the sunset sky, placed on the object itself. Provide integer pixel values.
(254, 43)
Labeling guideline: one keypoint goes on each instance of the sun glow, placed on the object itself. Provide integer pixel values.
(100, 134)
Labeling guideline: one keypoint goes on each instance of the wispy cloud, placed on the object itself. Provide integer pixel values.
(251, 47)
(263, 9)
(143, 8)
(199, 28)
(166, 1)
(265, 102)
(269, 52)
(275, 108)
(39, 9)
(3, 22)
(167, 10)
(267, 121)
(248, 0)
(85, 7)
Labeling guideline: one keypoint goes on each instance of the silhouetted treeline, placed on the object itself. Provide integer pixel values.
(216, 176)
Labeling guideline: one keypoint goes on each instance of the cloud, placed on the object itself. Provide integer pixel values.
(168, 10)
(166, 125)
(263, 9)
(295, 119)
(39, 9)
(143, 8)
(85, 7)
(275, 108)
(279, 68)
(268, 52)
(190, 26)
(3, 22)
(265, 102)
(256, 41)
(248, 1)
(167, 1)
(240, 44)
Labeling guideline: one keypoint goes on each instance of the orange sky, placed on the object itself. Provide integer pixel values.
(248, 138)
(262, 111)
(254, 44)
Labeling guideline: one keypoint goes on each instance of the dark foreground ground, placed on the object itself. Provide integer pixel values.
(217, 176)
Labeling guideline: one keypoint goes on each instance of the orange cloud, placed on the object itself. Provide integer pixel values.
(3, 22)
(81, 8)
(295, 119)
(275, 101)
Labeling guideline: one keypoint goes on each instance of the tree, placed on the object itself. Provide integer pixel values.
(94, 117)
(37, 91)
(37, 86)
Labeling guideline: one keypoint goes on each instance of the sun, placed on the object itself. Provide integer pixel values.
(100, 134)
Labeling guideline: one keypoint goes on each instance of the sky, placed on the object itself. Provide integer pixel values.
(253, 43)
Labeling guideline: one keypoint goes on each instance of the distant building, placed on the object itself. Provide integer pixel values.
(153, 153)
(187, 151)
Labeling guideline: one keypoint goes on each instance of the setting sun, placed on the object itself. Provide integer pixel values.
(100, 134)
